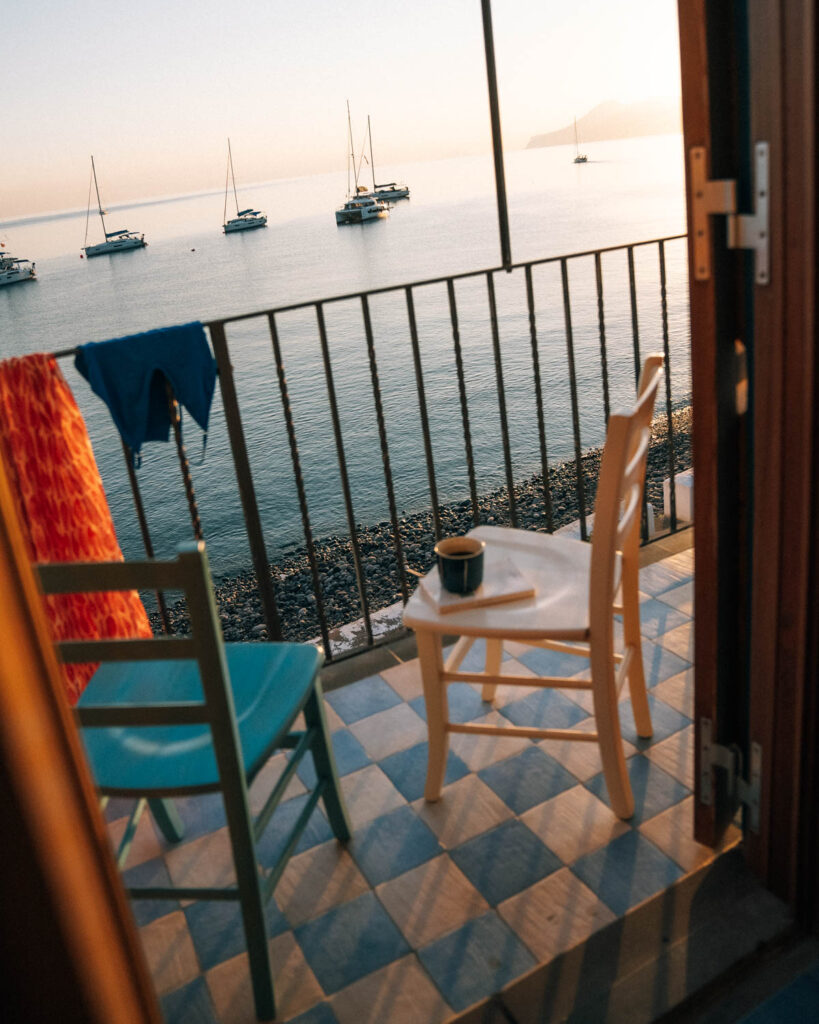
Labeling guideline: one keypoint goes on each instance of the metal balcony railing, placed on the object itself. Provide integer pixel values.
(462, 375)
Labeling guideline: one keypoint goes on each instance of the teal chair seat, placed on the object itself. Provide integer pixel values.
(190, 714)
(270, 685)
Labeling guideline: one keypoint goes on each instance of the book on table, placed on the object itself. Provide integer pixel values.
(502, 582)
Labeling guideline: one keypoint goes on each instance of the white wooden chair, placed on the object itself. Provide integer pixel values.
(579, 587)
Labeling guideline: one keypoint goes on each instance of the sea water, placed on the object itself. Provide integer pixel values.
(629, 191)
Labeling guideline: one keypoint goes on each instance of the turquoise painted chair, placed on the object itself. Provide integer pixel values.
(189, 715)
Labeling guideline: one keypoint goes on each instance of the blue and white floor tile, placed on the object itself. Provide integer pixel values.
(433, 907)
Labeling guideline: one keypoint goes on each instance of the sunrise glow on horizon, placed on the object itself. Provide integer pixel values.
(154, 89)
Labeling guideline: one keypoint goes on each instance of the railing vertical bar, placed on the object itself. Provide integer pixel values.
(459, 367)
(184, 465)
(144, 531)
(541, 422)
(504, 419)
(601, 321)
(578, 454)
(422, 406)
(635, 332)
(345, 479)
(635, 327)
(670, 419)
(497, 141)
(297, 473)
(385, 451)
(244, 480)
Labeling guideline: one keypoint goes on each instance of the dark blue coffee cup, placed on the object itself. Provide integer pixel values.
(460, 563)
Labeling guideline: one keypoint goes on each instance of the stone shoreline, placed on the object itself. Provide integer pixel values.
(237, 597)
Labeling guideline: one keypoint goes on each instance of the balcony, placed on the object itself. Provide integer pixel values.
(432, 909)
(477, 398)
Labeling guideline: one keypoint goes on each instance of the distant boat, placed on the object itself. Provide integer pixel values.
(580, 158)
(14, 270)
(115, 241)
(389, 191)
(360, 205)
(359, 209)
(245, 220)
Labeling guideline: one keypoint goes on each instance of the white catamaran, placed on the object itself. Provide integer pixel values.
(360, 206)
(13, 269)
(244, 220)
(115, 241)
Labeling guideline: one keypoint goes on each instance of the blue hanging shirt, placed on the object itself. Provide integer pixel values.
(129, 375)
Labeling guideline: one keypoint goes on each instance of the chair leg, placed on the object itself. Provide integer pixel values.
(248, 883)
(609, 739)
(494, 655)
(167, 818)
(325, 763)
(633, 639)
(430, 656)
(255, 929)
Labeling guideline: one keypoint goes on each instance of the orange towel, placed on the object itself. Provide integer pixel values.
(63, 510)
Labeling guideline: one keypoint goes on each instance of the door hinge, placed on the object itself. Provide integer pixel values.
(745, 230)
(729, 759)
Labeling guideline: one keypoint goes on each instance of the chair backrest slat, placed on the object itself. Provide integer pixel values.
(161, 648)
(125, 715)
(636, 465)
(91, 577)
(631, 510)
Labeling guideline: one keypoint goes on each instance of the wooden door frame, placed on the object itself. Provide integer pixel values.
(68, 943)
(697, 132)
(779, 635)
(783, 677)
(717, 432)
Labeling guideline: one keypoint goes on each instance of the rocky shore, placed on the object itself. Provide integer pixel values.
(240, 608)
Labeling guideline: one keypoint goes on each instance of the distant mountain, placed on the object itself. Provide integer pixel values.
(612, 120)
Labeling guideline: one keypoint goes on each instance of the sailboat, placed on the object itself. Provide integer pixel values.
(579, 158)
(115, 241)
(360, 205)
(245, 220)
(391, 190)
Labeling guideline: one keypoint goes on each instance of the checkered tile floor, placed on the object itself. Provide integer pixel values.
(433, 907)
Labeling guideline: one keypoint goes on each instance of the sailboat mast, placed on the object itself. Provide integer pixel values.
(372, 162)
(99, 201)
(576, 143)
(233, 178)
(227, 183)
(352, 152)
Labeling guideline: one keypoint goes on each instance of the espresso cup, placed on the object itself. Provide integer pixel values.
(460, 563)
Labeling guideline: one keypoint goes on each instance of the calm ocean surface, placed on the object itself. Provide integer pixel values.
(629, 191)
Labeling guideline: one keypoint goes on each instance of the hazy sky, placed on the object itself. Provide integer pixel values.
(152, 88)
